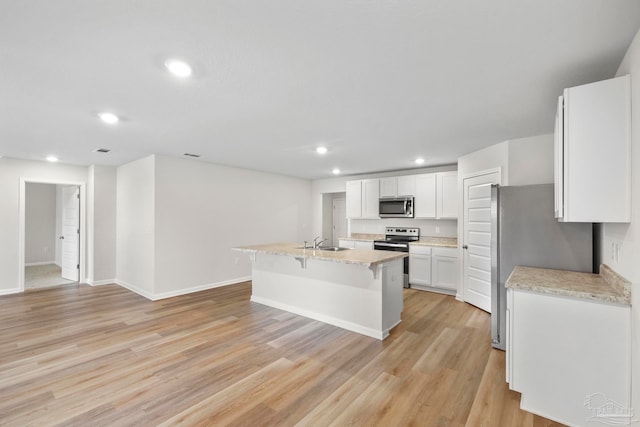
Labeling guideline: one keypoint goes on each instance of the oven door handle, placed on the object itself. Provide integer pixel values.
(390, 245)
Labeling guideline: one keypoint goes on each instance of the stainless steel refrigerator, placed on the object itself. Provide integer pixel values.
(525, 232)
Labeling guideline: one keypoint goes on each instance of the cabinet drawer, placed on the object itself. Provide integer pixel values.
(420, 250)
(446, 252)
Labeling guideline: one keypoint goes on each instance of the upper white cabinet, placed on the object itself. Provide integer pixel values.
(425, 198)
(447, 194)
(437, 195)
(362, 199)
(593, 153)
(398, 186)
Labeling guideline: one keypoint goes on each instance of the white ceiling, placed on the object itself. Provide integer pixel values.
(379, 82)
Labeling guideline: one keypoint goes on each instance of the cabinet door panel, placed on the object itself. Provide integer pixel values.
(406, 185)
(444, 272)
(420, 269)
(388, 187)
(447, 191)
(371, 198)
(425, 197)
(354, 199)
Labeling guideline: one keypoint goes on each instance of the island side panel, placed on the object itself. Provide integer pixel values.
(344, 295)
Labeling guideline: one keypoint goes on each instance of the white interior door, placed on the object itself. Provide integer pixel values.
(477, 239)
(339, 220)
(70, 233)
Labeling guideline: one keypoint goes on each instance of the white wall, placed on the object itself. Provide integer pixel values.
(627, 236)
(11, 171)
(101, 230)
(203, 210)
(40, 223)
(530, 160)
(135, 230)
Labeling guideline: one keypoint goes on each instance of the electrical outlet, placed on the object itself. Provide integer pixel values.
(437, 229)
(615, 252)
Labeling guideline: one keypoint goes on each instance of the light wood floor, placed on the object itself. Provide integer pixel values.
(82, 356)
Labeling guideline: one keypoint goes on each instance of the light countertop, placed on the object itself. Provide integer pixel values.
(444, 242)
(367, 258)
(608, 286)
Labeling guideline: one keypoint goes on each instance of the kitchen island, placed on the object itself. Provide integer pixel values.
(358, 290)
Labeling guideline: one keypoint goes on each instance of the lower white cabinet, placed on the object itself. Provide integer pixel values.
(433, 268)
(355, 244)
(569, 357)
(420, 266)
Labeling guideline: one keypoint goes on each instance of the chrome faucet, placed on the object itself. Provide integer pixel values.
(317, 243)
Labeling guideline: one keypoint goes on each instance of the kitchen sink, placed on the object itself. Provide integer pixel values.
(332, 248)
(325, 248)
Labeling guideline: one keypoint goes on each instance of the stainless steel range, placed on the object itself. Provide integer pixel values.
(397, 239)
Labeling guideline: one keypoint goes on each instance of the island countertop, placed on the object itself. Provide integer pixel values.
(367, 258)
(607, 286)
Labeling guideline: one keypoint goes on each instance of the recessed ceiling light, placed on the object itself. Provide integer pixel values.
(419, 161)
(321, 150)
(336, 171)
(109, 118)
(52, 159)
(178, 68)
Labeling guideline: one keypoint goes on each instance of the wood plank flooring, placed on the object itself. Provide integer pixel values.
(104, 356)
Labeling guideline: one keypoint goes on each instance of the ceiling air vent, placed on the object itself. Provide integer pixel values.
(101, 150)
(191, 155)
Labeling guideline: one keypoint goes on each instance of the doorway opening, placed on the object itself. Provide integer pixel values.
(334, 217)
(51, 229)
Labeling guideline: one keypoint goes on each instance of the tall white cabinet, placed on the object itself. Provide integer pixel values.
(593, 153)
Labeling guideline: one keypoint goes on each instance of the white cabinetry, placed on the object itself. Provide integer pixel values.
(420, 266)
(447, 195)
(425, 197)
(444, 268)
(362, 199)
(398, 186)
(568, 356)
(355, 244)
(433, 268)
(437, 195)
(593, 152)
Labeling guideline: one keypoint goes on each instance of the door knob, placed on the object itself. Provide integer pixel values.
(465, 247)
(61, 237)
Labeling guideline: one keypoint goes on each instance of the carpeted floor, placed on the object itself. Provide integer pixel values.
(44, 276)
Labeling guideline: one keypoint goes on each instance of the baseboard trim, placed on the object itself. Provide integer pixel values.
(134, 289)
(344, 324)
(101, 282)
(170, 294)
(10, 291)
(164, 295)
(33, 264)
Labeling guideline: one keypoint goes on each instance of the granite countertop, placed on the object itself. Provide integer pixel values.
(443, 242)
(367, 258)
(608, 286)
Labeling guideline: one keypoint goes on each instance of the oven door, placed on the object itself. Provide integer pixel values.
(395, 247)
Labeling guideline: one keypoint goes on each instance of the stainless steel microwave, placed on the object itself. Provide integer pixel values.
(396, 207)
